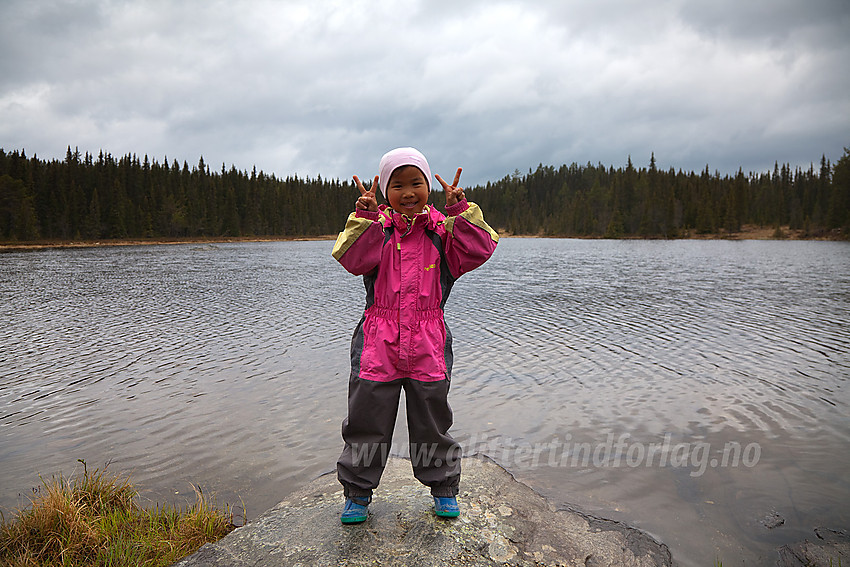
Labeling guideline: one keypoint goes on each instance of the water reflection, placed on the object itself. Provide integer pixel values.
(226, 366)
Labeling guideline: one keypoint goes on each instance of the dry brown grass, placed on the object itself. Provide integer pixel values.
(94, 520)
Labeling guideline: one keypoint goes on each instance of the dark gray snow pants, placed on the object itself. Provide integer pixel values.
(368, 433)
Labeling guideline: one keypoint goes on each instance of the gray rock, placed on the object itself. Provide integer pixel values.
(772, 520)
(831, 549)
(502, 522)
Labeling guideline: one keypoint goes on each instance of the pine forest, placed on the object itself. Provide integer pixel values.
(93, 198)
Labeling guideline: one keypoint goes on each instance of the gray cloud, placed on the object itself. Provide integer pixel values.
(314, 87)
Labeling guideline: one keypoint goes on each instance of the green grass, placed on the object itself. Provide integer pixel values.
(95, 520)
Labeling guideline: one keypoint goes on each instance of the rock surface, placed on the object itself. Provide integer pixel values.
(502, 522)
(830, 549)
(772, 520)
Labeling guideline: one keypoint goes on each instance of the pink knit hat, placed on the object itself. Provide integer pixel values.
(399, 157)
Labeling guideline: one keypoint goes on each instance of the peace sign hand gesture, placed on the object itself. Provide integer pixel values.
(366, 200)
(454, 194)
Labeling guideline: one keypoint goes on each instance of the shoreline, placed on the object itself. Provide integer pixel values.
(108, 242)
(747, 232)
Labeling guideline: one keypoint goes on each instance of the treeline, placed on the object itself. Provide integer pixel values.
(647, 202)
(83, 197)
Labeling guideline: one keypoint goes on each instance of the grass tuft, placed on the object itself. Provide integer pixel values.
(95, 520)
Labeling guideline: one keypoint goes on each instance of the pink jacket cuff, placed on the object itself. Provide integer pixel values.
(457, 208)
(364, 214)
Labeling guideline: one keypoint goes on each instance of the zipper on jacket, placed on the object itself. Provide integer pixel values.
(409, 228)
(411, 221)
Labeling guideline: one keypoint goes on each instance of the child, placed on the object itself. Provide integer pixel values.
(409, 255)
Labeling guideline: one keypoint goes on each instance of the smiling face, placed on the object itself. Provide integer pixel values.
(407, 190)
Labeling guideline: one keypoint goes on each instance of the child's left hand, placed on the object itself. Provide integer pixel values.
(454, 194)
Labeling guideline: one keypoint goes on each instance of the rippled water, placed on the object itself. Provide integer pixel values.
(226, 366)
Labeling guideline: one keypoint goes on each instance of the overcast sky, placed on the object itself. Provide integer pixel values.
(315, 87)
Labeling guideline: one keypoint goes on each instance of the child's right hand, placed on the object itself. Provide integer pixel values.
(366, 201)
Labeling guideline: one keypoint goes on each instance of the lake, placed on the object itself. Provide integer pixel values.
(697, 390)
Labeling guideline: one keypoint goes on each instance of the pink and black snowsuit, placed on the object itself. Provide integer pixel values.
(402, 340)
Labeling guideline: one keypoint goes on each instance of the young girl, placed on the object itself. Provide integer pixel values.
(409, 255)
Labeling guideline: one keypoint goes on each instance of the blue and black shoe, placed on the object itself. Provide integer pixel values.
(446, 507)
(355, 511)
